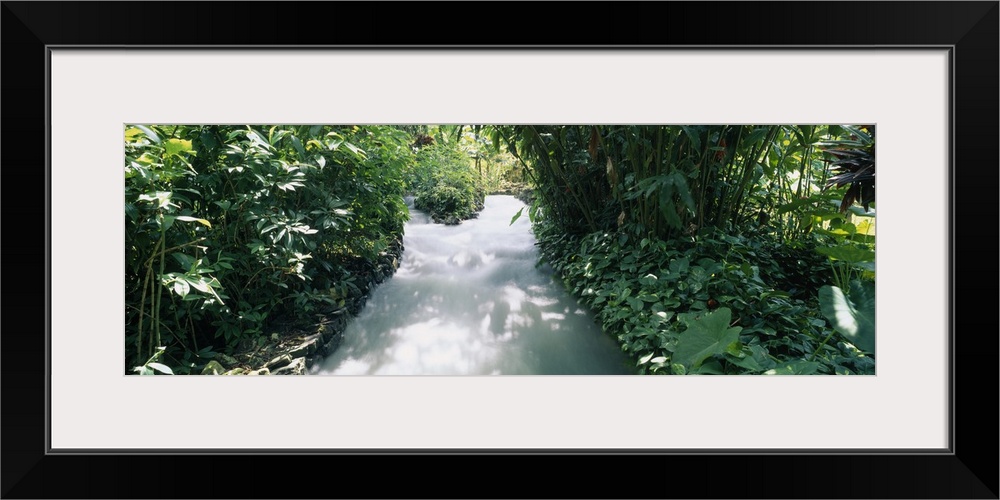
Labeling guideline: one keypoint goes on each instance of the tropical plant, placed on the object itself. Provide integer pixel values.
(853, 164)
(230, 227)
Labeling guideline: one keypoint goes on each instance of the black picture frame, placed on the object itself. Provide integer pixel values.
(969, 470)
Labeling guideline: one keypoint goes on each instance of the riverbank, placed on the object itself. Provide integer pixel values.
(293, 347)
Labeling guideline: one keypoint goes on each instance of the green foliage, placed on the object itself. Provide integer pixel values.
(719, 304)
(706, 336)
(853, 163)
(150, 367)
(444, 183)
(652, 224)
(229, 227)
(852, 316)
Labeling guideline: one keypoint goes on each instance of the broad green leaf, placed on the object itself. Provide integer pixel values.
(131, 134)
(755, 136)
(186, 261)
(705, 337)
(854, 316)
(186, 218)
(735, 349)
(176, 146)
(711, 368)
(848, 253)
(794, 205)
(679, 265)
(748, 362)
(635, 303)
(297, 144)
(160, 368)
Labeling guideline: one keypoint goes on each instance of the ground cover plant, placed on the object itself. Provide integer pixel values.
(713, 249)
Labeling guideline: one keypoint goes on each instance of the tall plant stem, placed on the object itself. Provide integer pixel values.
(159, 296)
(820, 346)
(558, 173)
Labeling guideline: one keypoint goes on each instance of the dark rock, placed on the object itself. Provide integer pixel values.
(280, 361)
(306, 348)
(296, 367)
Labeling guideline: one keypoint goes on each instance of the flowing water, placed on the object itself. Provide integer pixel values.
(471, 300)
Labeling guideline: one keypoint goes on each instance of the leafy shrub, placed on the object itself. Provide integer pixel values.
(699, 305)
(444, 184)
(229, 227)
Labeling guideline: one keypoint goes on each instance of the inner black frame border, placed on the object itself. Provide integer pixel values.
(31, 30)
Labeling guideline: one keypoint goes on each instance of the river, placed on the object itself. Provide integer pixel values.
(471, 300)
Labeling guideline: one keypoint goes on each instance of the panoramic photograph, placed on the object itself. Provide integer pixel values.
(479, 249)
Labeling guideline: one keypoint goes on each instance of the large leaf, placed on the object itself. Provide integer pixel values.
(176, 146)
(161, 368)
(848, 253)
(854, 316)
(706, 337)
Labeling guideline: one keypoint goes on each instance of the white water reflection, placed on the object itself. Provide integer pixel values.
(469, 300)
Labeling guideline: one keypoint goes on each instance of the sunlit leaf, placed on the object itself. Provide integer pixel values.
(854, 316)
(160, 368)
(176, 146)
(149, 133)
(182, 288)
(186, 218)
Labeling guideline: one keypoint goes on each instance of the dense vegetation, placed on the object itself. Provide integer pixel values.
(444, 184)
(713, 249)
(702, 249)
(229, 227)
(453, 173)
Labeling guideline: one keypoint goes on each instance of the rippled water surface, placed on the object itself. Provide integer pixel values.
(470, 300)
